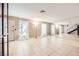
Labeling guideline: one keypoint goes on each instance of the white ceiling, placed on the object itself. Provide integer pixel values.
(54, 11)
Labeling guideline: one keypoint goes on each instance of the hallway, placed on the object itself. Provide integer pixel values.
(39, 30)
(64, 45)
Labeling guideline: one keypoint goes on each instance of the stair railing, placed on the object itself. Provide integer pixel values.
(72, 27)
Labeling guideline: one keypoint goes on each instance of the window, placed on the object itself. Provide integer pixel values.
(43, 29)
(23, 30)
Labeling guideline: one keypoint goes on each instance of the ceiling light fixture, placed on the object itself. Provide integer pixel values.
(42, 11)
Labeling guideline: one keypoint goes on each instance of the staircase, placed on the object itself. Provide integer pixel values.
(75, 29)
